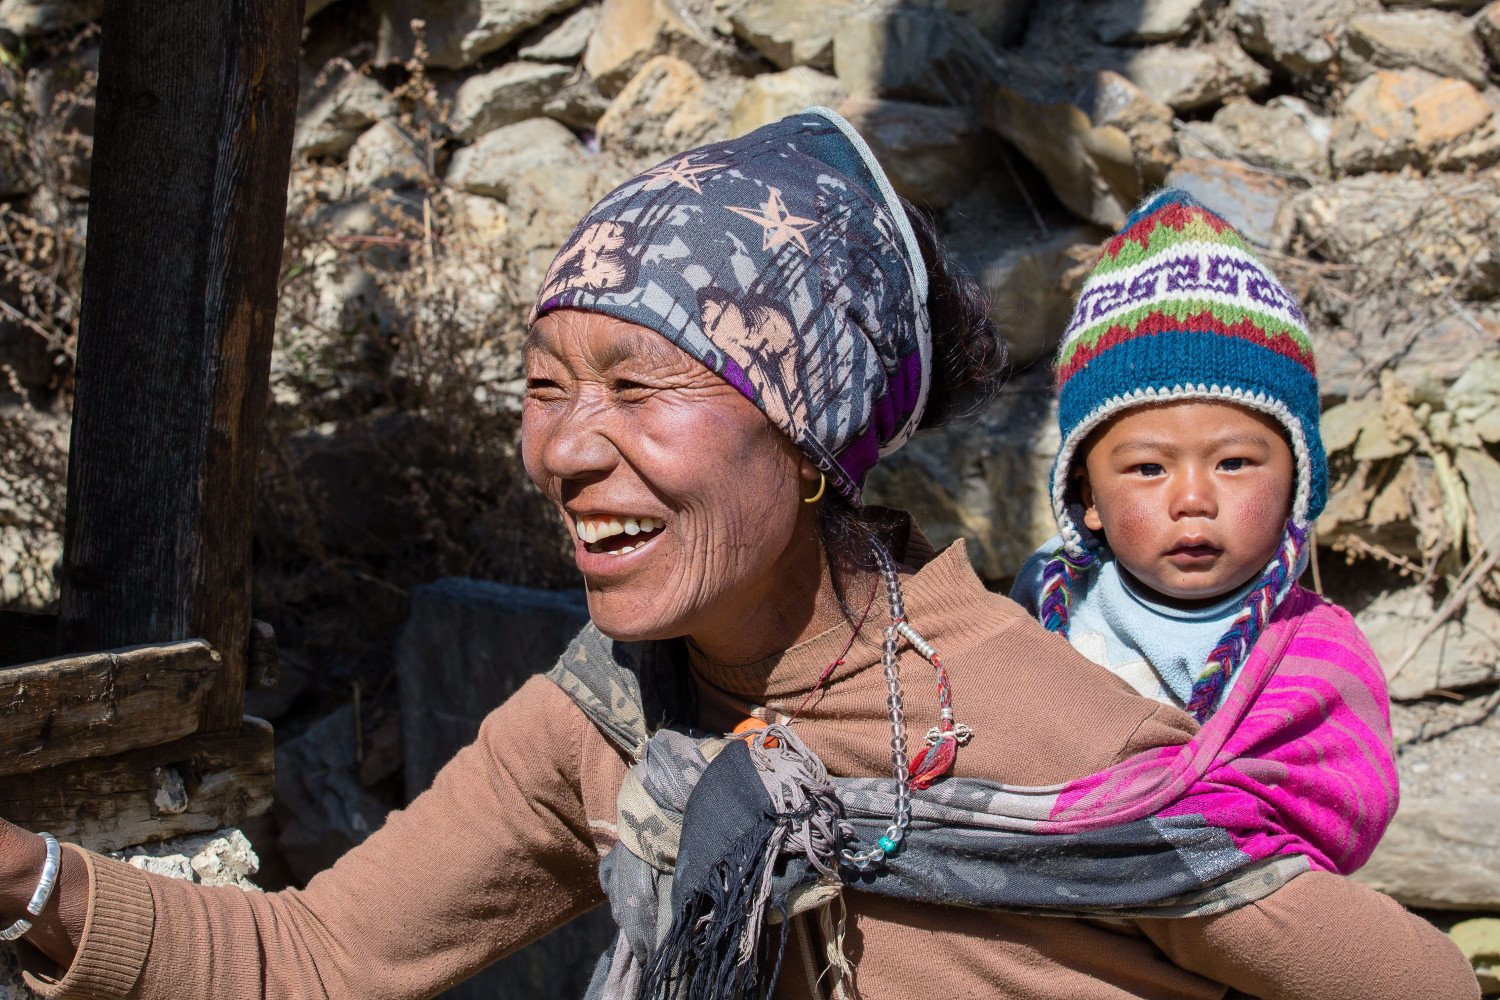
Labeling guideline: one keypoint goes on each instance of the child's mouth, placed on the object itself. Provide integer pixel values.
(1194, 552)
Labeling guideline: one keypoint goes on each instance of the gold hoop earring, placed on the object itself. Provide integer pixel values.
(822, 485)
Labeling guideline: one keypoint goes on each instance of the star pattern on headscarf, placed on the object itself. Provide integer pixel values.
(681, 171)
(779, 225)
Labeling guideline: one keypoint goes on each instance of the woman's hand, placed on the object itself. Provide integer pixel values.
(56, 932)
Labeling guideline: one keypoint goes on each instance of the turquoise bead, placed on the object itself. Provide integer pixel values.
(887, 845)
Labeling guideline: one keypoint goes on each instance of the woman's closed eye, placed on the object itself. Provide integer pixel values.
(545, 389)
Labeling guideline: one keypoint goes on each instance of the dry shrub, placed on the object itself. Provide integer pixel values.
(392, 451)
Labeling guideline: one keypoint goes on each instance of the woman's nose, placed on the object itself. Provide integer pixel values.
(577, 446)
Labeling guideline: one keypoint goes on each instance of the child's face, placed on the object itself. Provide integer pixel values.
(1192, 497)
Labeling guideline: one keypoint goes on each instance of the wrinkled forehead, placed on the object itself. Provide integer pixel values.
(603, 341)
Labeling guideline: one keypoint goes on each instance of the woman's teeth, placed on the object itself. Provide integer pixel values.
(596, 530)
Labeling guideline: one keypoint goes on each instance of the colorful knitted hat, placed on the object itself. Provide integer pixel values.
(1179, 308)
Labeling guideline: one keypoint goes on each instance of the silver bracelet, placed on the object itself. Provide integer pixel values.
(43, 890)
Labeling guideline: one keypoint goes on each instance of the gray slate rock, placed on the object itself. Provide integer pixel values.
(1192, 78)
(458, 33)
(1440, 43)
(1442, 851)
(28, 18)
(566, 42)
(385, 159)
(1285, 133)
(503, 96)
(1299, 36)
(1148, 21)
(334, 115)
(538, 168)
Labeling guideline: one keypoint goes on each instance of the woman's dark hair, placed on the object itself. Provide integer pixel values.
(968, 368)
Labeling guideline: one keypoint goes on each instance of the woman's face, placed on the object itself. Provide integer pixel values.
(681, 498)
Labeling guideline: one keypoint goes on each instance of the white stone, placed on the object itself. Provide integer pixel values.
(41, 17)
(458, 33)
(541, 172)
(566, 42)
(793, 32)
(335, 114)
(385, 158)
(1192, 78)
(1150, 21)
(503, 96)
(772, 96)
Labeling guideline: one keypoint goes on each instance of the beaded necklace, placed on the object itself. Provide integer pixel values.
(943, 740)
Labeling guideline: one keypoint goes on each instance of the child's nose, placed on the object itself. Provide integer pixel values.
(1194, 496)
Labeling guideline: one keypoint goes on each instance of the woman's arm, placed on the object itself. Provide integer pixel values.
(495, 854)
(1322, 936)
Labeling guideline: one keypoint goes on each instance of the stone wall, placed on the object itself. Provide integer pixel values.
(445, 148)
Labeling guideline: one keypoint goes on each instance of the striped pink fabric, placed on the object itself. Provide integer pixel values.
(1298, 760)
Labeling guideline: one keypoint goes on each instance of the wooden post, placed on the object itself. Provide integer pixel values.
(192, 149)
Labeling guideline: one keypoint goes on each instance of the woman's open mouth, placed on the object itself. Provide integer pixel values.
(617, 534)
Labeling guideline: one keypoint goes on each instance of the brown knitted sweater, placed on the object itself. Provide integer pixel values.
(505, 846)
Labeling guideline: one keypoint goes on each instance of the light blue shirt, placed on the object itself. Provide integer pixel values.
(1157, 648)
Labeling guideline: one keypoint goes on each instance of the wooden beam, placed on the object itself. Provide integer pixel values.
(192, 149)
(202, 783)
(62, 710)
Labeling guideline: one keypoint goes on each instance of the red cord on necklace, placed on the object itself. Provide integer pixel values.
(839, 661)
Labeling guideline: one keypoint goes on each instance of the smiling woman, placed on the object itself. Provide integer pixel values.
(799, 753)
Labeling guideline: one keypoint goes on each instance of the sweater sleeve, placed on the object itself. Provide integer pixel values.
(1322, 936)
(495, 854)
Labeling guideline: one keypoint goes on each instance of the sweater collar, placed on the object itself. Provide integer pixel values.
(945, 601)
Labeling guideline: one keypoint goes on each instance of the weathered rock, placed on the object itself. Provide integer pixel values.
(457, 33)
(1284, 134)
(578, 104)
(665, 109)
(1151, 21)
(1440, 43)
(772, 96)
(41, 17)
(538, 168)
(1193, 78)
(335, 114)
(1463, 652)
(224, 858)
(1031, 279)
(1487, 30)
(1097, 161)
(1479, 940)
(985, 482)
(1299, 36)
(504, 96)
(791, 32)
(566, 41)
(321, 806)
(1256, 203)
(1441, 224)
(385, 159)
(1463, 6)
(930, 154)
(1442, 851)
(1397, 118)
(630, 33)
(480, 219)
(466, 647)
(914, 54)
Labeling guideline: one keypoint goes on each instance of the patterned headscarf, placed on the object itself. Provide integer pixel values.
(783, 261)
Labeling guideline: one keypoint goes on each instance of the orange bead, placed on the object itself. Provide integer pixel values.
(751, 725)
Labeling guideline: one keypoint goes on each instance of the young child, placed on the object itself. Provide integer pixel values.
(1190, 468)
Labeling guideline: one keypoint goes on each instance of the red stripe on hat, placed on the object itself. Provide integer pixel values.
(1203, 322)
(1173, 215)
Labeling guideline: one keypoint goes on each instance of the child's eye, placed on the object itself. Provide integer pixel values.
(1233, 464)
(1150, 470)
